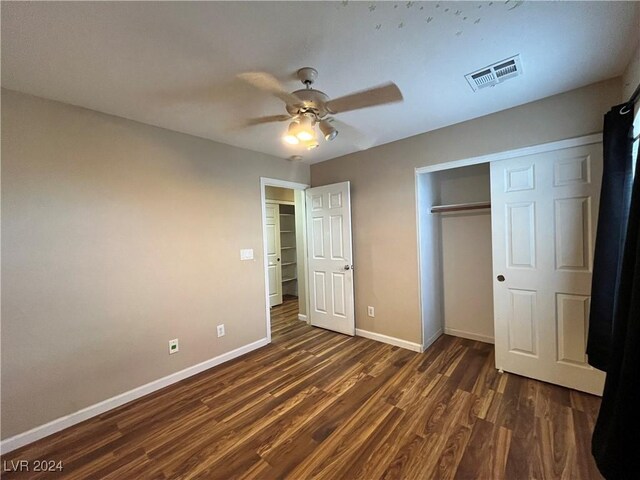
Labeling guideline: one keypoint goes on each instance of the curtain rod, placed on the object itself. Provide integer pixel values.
(635, 95)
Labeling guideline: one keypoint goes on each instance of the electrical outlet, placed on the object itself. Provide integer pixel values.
(371, 311)
(173, 346)
(220, 329)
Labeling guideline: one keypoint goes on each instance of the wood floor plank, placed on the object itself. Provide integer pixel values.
(415, 460)
(585, 464)
(317, 404)
(557, 451)
(524, 459)
(456, 443)
(339, 448)
(486, 453)
(375, 452)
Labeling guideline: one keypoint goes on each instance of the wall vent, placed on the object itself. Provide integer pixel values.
(495, 74)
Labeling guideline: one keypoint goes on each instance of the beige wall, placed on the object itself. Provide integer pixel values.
(463, 185)
(467, 273)
(116, 238)
(630, 81)
(384, 200)
(631, 76)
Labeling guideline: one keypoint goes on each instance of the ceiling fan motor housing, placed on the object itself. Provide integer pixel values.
(313, 101)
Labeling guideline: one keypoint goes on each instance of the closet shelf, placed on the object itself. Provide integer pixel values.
(288, 263)
(286, 248)
(287, 231)
(458, 207)
(288, 279)
(287, 214)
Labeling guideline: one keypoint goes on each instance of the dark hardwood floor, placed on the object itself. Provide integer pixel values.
(284, 318)
(315, 404)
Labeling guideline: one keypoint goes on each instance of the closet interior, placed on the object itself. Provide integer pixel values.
(288, 255)
(455, 253)
(285, 221)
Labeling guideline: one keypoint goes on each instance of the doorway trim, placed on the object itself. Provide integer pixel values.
(465, 162)
(516, 152)
(273, 182)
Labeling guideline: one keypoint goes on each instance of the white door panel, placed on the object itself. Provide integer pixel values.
(522, 320)
(544, 211)
(330, 258)
(274, 266)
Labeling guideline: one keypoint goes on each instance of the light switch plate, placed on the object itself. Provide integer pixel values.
(246, 254)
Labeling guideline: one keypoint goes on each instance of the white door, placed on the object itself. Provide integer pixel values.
(544, 215)
(330, 258)
(274, 266)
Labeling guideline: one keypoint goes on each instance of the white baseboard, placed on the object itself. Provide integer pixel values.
(432, 339)
(469, 335)
(398, 342)
(302, 317)
(61, 423)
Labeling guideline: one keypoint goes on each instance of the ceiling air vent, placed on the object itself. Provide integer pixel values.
(495, 74)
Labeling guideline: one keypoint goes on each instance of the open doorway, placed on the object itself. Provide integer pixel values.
(283, 206)
(323, 254)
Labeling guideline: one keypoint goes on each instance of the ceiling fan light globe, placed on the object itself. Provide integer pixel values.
(305, 135)
(331, 135)
(290, 139)
(328, 130)
(311, 144)
(305, 131)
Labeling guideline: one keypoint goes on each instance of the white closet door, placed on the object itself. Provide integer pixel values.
(330, 258)
(274, 266)
(544, 214)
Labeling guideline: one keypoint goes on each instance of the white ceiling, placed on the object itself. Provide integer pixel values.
(174, 64)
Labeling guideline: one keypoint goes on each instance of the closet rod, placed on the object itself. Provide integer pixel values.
(460, 207)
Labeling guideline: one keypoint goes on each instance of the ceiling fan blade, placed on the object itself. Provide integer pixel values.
(251, 122)
(270, 119)
(387, 93)
(351, 134)
(270, 84)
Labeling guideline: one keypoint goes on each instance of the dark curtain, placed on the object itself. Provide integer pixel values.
(612, 220)
(616, 438)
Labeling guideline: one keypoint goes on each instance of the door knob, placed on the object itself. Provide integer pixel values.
(347, 267)
(278, 259)
(501, 278)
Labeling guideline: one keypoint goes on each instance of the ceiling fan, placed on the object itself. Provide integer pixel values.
(309, 107)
